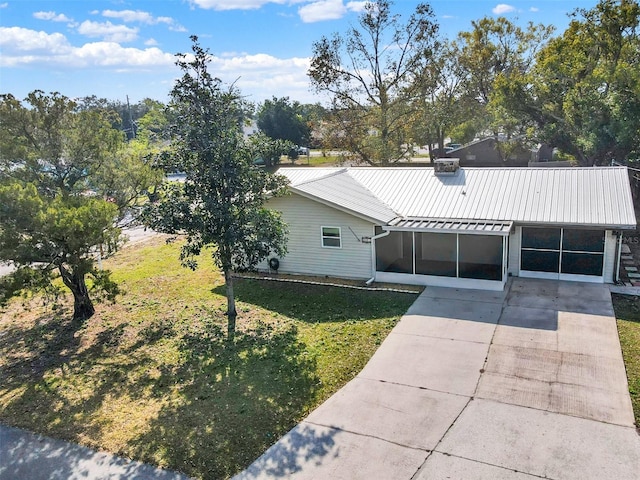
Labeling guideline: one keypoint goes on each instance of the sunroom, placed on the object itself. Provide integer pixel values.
(470, 254)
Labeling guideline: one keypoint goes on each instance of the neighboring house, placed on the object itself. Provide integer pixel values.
(466, 227)
(488, 152)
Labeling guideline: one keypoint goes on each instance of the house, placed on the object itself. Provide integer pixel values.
(458, 227)
(489, 152)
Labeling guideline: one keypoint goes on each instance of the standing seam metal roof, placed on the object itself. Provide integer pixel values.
(589, 196)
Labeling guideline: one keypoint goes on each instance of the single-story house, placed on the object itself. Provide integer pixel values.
(452, 226)
(487, 152)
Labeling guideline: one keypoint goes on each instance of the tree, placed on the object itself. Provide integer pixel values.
(495, 49)
(583, 95)
(439, 99)
(368, 72)
(281, 119)
(53, 210)
(221, 202)
(268, 149)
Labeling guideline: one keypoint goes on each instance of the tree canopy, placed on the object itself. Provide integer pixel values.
(369, 73)
(63, 173)
(282, 119)
(583, 95)
(220, 204)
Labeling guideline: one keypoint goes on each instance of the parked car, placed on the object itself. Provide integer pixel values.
(303, 150)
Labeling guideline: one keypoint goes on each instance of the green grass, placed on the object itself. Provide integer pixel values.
(627, 310)
(152, 377)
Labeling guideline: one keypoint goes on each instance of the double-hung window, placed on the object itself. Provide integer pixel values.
(331, 237)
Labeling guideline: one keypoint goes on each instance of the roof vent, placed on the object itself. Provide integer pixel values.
(446, 166)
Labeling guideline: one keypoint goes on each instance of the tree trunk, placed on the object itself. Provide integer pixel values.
(231, 306)
(82, 304)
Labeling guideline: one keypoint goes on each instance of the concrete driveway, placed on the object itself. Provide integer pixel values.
(520, 384)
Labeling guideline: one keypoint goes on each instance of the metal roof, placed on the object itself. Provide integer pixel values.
(452, 225)
(581, 196)
(342, 190)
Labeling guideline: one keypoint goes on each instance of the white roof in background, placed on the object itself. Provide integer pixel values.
(589, 196)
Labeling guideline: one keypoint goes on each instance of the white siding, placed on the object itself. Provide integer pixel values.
(306, 255)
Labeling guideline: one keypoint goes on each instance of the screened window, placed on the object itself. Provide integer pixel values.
(563, 250)
(331, 237)
(541, 238)
(436, 254)
(583, 240)
(480, 256)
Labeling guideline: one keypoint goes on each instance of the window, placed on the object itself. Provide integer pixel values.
(331, 237)
(563, 250)
(436, 254)
(480, 256)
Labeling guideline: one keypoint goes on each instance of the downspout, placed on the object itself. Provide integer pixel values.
(373, 254)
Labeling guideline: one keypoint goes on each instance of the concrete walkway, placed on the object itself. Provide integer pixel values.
(522, 384)
(25, 456)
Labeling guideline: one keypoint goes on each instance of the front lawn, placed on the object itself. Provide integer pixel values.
(152, 377)
(627, 310)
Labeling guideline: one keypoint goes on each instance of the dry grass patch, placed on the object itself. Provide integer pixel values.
(152, 377)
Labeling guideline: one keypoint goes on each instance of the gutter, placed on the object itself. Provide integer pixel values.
(373, 256)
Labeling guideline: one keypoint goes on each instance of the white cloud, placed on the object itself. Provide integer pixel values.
(503, 8)
(52, 16)
(151, 42)
(4, 5)
(322, 10)
(108, 31)
(534, 9)
(356, 6)
(233, 4)
(21, 46)
(261, 76)
(131, 16)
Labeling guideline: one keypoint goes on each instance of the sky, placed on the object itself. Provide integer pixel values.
(119, 48)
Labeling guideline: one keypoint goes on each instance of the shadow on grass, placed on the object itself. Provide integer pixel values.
(627, 307)
(219, 405)
(319, 303)
(234, 400)
(54, 383)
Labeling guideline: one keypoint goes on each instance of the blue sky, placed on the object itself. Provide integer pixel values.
(116, 48)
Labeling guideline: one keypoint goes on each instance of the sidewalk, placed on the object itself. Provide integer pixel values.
(26, 456)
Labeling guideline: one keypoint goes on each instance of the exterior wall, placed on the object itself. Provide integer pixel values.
(306, 255)
(430, 281)
(484, 153)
